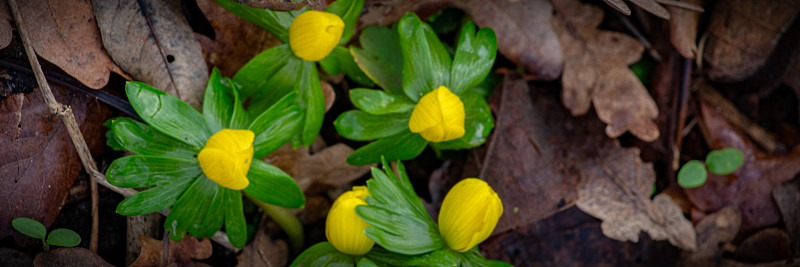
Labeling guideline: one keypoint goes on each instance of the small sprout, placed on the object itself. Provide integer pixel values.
(439, 116)
(692, 174)
(58, 237)
(343, 228)
(470, 212)
(724, 162)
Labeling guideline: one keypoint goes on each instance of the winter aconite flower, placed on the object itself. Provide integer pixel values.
(469, 213)
(314, 34)
(439, 116)
(199, 164)
(427, 96)
(344, 229)
(227, 156)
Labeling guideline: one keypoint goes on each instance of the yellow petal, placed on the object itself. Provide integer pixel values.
(314, 34)
(439, 116)
(469, 213)
(226, 158)
(344, 229)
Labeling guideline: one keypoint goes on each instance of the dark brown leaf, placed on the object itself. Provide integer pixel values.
(69, 257)
(326, 166)
(683, 29)
(66, 34)
(5, 25)
(264, 251)
(712, 232)
(524, 33)
(13, 257)
(182, 253)
(771, 244)
(236, 40)
(39, 164)
(749, 187)
(596, 72)
(787, 196)
(154, 44)
(279, 5)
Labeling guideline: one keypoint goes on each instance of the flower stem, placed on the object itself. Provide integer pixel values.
(287, 221)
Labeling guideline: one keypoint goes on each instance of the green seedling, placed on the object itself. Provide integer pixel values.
(720, 162)
(58, 237)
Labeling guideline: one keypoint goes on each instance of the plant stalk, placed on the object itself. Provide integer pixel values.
(287, 221)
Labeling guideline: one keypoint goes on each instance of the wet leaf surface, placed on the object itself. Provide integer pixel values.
(157, 46)
(596, 72)
(39, 163)
(182, 253)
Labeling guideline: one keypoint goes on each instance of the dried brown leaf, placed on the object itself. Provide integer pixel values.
(38, 163)
(236, 40)
(683, 29)
(648, 5)
(5, 25)
(182, 253)
(65, 33)
(264, 251)
(714, 230)
(787, 196)
(771, 244)
(278, 5)
(154, 44)
(743, 33)
(596, 71)
(749, 187)
(524, 33)
(69, 257)
(326, 166)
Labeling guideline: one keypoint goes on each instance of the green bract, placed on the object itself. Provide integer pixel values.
(408, 63)
(271, 75)
(167, 145)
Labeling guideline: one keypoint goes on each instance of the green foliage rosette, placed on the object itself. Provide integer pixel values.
(409, 63)
(166, 163)
(272, 74)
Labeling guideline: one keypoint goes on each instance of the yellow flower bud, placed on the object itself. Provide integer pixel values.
(344, 229)
(439, 116)
(314, 34)
(226, 158)
(469, 213)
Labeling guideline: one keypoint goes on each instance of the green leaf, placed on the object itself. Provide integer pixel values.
(331, 65)
(426, 63)
(361, 126)
(215, 215)
(275, 22)
(140, 171)
(29, 227)
(348, 10)
(347, 64)
(380, 102)
(402, 146)
(365, 262)
(478, 123)
(63, 237)
(473, 257)
(271, 185)
(381, 58)
(190, 210)
(442, 257)
(276, 125)
(487, 86)
(154, 199)
(110, 140)
(692, 174)
(168, 114)
(446, 21)
(311, 101)
(235, 225)
(724, 162)
(142, 139)
(323, 254)
(240, 118)
(474, 58)
(399, 221)
(218, 102)
(267, 75)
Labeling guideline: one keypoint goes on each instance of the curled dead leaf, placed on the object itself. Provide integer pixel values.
(683, 29)
(714, 230)
(326, 166)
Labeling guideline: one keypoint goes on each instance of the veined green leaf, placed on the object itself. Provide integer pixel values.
(271, 185)
(399, 222)
(154, 199)
(361, 126)
(168, 114)
(235, 226)
(311, 100)
(261, 76)
(426, 63)
(380, 102)
(340, 60)
(215, 215)
(218, 102)
(142, 139)
(402, 146)
(276, 22)
(442, 257)
(275, 126)
(190, 210)
(323, 254)
(348, 10)
(140, 170)
(381, 58)
(478, 123)
(474, 58)
(240, 118)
